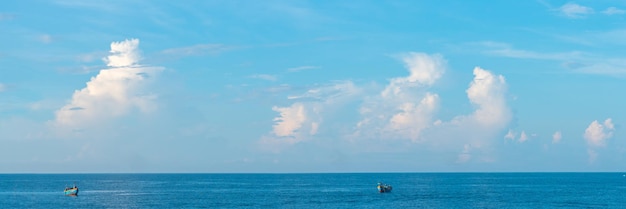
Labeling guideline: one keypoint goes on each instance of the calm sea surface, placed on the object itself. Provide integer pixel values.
(410, 190)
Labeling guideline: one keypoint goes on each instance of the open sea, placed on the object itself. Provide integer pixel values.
(349, 190)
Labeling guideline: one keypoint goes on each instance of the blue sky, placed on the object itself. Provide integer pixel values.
(312, 86)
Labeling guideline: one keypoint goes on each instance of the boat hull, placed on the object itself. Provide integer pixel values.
(384, 188)
(71, 192)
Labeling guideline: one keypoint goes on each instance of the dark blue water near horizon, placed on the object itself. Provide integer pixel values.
(332, 190)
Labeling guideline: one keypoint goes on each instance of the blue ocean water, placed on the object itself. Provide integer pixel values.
(358, 190)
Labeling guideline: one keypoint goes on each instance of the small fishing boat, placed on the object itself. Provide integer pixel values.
(71, 191)
(383, 188)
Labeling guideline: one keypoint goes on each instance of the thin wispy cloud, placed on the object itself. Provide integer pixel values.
(197, 50)
(299, 15)
(2, 87)
(279, 88)
(610, 37)
(45, 38)
(302, 68)
(613, 11)
(573, 10)
(601, 66)
(265, 77)
(5, 16)
(506, 50)
(329, 38)
(95, 5)
(90, 57)
(573, 61)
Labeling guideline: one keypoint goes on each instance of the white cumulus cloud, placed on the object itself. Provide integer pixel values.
(487, 92)
(412, 118)
(403, 110)
(290, 119)
(424, 70)
(304, 117)
(405, 107)
(573, 10)
(123, 53)
(112, 93)
(596, 134)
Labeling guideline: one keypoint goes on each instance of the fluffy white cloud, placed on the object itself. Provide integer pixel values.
(123, 53)
(572, 10)
(596, 134)
(488, 93)
(404, 108)
(613, 11)
(290, 119)
(556, 137)
(413, 118)
(424, 70)
(303, 118)
(112, 93)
